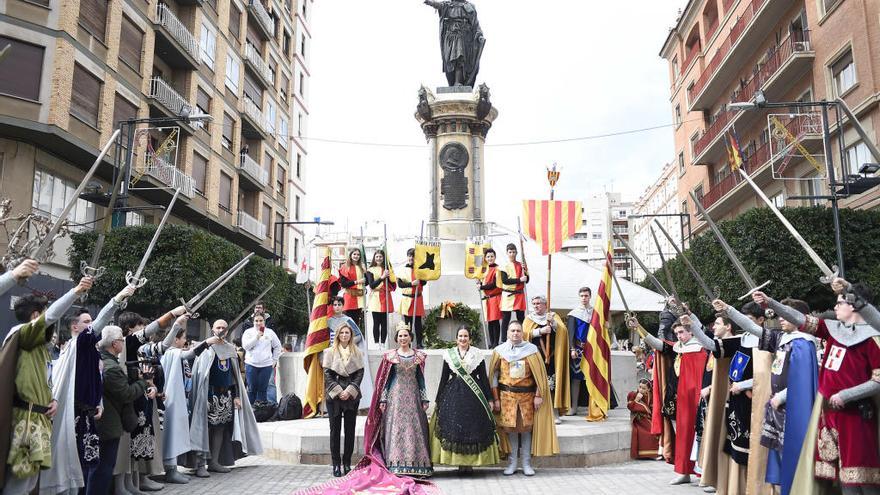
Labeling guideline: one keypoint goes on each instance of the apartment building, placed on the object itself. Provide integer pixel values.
(659, 202)
(723, 51)
(73, 70)
(602, 213)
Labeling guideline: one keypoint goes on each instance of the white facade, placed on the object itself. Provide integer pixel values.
(602, 212)
(659, 199)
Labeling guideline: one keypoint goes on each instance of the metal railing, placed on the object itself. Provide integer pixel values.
(251, 225)
(252, 55)
(169, 175)
(162, 92)
(253, 168)
(262, 16)
(253, 111)
(692, 53)
(167, 19)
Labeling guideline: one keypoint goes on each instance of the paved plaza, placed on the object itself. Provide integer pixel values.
(262, 476)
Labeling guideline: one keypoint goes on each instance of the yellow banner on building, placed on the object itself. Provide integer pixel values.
(427, 261)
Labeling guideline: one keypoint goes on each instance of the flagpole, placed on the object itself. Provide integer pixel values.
(483, 323)
(387, 293)
(553, 178)
(415, 290)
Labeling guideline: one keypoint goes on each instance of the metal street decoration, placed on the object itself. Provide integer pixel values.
(784, 143)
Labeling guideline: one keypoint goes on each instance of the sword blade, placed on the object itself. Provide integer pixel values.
(195, 299)
(619, 290)
(826, 271)
(648, 273)
(231, 326)
(665, 266)
(702, 283)
(237, 268)
(146, 257)
(724, 245)
(50, 236)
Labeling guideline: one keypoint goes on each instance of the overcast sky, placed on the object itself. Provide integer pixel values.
(557, 69)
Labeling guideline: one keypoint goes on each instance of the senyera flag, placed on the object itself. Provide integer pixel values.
(596, 364)
(317, 340)
(550, 222)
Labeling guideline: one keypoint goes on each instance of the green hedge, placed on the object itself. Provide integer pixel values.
(768, 251)
(183, 262)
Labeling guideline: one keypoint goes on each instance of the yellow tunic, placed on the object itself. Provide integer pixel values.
(560, 358)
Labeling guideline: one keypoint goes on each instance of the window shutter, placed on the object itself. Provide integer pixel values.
(130, 44)
(86, 96)
(93, 17)
(22, 69)
(200, 172)
(123, 110)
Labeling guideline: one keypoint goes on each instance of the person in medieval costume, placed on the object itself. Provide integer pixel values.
(33, 405)
(352, 278)
(382, 283)
(175, 427)
(222, 425)
(491, 297)
(339, 319)
(547, 331)
(512, 278)
(578, 323)
(689, 364)
(22, 272)
(728, 416)
(519, 388)
(137, 454)
(842, 445)
(664, 385)
(463, 424)
(343, 366)
(412, 302)
(78, 390)
(794, 380)
(643, 444)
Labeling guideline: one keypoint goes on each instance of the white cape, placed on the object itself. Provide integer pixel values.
(175, 432)
(65, 473)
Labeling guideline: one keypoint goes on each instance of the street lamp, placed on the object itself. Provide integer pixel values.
(280, 239)
(849, 187)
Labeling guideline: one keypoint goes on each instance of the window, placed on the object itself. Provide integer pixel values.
(812, 187)
(225, 199)
(286, 43)
(22, 69)
(698, 192)
(52, 193)
(282, 132)
(296, 241)
(228, 131)
(778, 200)
(278, 219)
(843, 71)
(267, 218)
(684, 207)
(280, 179)
(597, 235)
(299, 167)
(302, 85)
(93, 17)
(233, 71)
(299, 125)
(305, 2)
(212, 3)
(690, 88)
(857, 155)
(296, 208)
(829, 4)
(285, 83)
(234, 21)
(203, 105)
(675, 69)
(208, 48)
(200, 172)
(271, 115)
(123, 110)
(252, 90)
(131, 41)
(677, 114)
(694, 139)
(681, 163)
(86, 96)
(267, 164)
(133, 219)
(302, 47)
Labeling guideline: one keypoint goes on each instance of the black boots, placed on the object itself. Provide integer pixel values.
(337, 470)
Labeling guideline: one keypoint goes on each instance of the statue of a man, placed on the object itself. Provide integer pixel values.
(461, 40)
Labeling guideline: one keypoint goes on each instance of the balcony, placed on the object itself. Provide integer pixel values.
(783, 67)
(254, 62)
(175, 44)
(252, 172)
(253, 122)
(165, 101)
(251, 225)
(167, 174)
(755, 24)
(263, 19)
(692, 53)
(757, 163)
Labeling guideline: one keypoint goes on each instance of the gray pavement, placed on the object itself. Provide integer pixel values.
(262, 476)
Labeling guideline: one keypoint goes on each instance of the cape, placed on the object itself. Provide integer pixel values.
(561, 356)
(65, 473)
(175, 431)
(719, 469)
(245, 435)
(659, 424)
(692, 364)
(544, 439)
(802, 386)
(334, 322)
(8, 364)
(756, 472)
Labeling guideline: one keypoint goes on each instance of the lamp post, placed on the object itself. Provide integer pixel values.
(280, 241)
(761, 102)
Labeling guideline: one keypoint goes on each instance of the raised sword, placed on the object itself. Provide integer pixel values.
(710, 294)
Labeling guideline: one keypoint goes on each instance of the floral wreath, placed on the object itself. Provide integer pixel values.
(456, 311)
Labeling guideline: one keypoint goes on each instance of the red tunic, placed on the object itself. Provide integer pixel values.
(492, 297)
(354, 295)
(690, 365)
(847, 447)
(642, 445)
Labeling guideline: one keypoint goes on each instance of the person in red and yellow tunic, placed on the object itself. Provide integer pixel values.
(512, 279)
(382, 283)
(642, 445)
(352, 278)
(412, 304)
(491, 298)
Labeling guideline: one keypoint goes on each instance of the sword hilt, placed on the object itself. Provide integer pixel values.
(835, 273)
(136, 282)
(88, 271)
(186, 306)
(753, 290)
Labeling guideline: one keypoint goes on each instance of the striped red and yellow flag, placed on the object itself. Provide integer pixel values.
(317, 340)
(550, 222)
(596, 364)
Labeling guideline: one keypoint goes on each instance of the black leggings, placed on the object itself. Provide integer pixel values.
(335, 429)
(417, 329)
(358, 316)
(505, 320)
(380, 327)
(494, 333)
